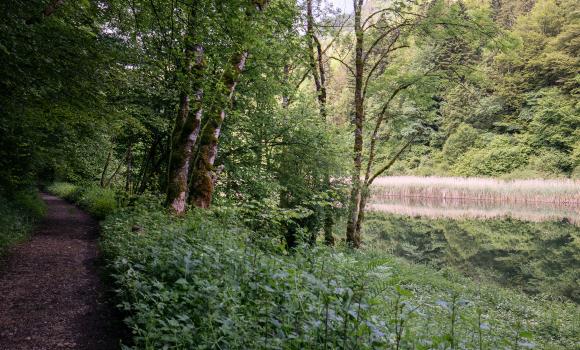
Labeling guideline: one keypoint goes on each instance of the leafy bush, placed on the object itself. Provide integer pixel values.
(459, 142)
(18, 213)
(98, 201)
(551, 163)
(500, 157)
(205, 282)
(29, 202)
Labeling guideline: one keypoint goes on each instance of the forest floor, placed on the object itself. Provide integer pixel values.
(51, 294)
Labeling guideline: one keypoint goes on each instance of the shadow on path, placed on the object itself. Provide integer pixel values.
(51, 296)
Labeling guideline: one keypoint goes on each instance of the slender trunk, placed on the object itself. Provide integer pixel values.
(311, 55)
(322, 75)
(361, 211)
(352, 237)
(147, 164)
(204, 176)
(104, 173)
(365, 193)
(116, 170)
(285, 97)
(319, 77)
(129, 179)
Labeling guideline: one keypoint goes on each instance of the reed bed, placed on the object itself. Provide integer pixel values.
(523, 213)
(558, 191)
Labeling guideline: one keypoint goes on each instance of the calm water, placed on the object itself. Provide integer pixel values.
(534, 247)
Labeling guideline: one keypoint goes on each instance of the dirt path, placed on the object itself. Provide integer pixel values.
(51, 296)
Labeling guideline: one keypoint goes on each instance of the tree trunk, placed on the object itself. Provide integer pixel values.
(104, 173)
(352, 238)
(319, 77)
(204, 176)
(361, 211)
(186, 131)
(129, 178)
(147, 163)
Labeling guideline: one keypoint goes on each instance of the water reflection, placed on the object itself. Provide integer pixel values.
(459, 208)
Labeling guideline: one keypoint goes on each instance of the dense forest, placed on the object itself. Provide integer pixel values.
(232, 148)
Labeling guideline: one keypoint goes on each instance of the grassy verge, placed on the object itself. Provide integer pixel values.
(98, 201)
(18, 213)
(204, 281)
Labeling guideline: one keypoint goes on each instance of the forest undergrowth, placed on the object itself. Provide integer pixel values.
(18, 214)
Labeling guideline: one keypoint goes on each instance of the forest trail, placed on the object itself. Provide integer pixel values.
(51, 296)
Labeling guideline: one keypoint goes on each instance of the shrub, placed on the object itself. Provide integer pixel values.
(29, 202)
(98, 201)
(18, 213)
(500, 157)
(551, 163)
(459, 142)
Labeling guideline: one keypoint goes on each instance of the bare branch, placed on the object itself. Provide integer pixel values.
(346, 65)
(392, 161)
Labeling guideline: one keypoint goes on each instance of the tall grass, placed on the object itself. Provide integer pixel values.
(559, 191)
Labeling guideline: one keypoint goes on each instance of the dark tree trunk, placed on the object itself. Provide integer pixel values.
(104, 173)
(147, 163)
(129, 178)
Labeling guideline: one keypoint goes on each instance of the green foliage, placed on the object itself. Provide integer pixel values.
(499, 157)
(98, 201)
(54, 81)
(464, 138)
(204, 281)
(550, 163)
(65, 190)
(18, 213)
(523, 84)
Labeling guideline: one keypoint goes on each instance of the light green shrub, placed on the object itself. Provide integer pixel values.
(98, 201)
(464, 138)
(501, 156)
(551, 163)
(65, 190)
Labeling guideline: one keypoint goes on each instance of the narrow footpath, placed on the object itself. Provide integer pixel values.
(51, 296)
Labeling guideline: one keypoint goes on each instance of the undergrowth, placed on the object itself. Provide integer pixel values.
(98, 201)
(205, 281)
(18, 213)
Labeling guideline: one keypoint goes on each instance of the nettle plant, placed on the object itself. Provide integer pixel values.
(200, 282)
